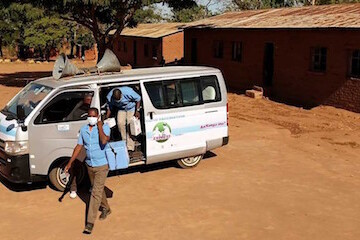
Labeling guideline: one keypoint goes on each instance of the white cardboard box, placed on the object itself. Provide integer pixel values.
(135, 126)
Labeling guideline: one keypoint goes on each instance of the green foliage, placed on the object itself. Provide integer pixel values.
(190, 14)
(147, 15)
(84, 37)
(46, 32)
(34, 20)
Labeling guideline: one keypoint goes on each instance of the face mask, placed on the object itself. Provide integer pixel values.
(92, 120)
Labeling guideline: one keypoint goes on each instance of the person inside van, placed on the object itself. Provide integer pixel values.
(80, 111)
(94, 137)
(126, 102)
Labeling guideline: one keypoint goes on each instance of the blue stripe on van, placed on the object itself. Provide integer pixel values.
(4, 130)
(185, 130)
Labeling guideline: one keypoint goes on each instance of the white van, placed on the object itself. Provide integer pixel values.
(184, 115)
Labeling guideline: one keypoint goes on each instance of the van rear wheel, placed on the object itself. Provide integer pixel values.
(59, 179)
(189, 162)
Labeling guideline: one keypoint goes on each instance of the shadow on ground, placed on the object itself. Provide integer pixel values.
(20, 79)
(140, 169)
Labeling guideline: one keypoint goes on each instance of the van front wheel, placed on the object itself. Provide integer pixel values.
(59, 179)
(189, 162)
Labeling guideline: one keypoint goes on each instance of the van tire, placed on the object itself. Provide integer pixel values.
(189, 162)
(56, 172)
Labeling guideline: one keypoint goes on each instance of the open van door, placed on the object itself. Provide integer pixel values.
(171, 132)
(54, 130)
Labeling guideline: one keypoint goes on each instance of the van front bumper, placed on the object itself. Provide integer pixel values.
(16, 169)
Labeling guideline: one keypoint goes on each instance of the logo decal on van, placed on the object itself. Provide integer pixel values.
(161, 132)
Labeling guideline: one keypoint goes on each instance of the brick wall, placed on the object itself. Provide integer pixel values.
(173, 47)
(127, 57)
(293, 82)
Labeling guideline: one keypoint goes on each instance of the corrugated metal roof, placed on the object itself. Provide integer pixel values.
(326, 16)
(153, 30)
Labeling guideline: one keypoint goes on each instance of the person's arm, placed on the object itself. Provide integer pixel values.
(136, 98)
(137, 113)
(108, 113)
(103, 133)
(109, 105)
(75, 154)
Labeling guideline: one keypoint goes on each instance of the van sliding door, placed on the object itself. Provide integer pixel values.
(171, 119)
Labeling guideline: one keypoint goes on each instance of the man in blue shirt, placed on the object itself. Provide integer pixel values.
(94, 138)
(126, 102)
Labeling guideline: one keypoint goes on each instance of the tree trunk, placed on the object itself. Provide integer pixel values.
(102, 45)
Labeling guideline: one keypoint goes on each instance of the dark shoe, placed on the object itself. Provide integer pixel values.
(88, 228)
(104, 214)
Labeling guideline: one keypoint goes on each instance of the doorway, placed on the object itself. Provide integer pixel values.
(135, 53)
(194, 51)
(268, 69)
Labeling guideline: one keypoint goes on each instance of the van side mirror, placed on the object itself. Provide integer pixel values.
(20, 112)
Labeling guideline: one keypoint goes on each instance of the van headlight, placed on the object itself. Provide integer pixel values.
(16, 148)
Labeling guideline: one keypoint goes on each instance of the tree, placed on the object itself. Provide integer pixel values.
(190, 14)
(103, 16)
(147, 15)
(20, 17)
(6, 29)
(45, 34)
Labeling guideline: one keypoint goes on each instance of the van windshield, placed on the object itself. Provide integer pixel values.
(26, 100)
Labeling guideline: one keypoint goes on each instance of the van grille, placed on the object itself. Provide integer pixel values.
(2, 144)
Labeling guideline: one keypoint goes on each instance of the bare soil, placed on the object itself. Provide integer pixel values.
(287, 173)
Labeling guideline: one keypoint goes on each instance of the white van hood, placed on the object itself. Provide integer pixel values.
(8, 128)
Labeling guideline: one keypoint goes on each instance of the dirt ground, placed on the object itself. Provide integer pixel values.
(287, 173)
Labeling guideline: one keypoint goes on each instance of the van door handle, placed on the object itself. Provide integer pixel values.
(151, 115)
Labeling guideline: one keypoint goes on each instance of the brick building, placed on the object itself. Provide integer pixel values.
(150, 44)
(304, 56)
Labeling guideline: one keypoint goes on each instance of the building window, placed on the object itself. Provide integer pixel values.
(355, 64)
(237, 51)
(318, 59)
(218, 49)
(154, 51)
(146, 50)
(124, 46)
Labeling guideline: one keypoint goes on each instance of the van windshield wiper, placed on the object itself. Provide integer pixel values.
(9, 115)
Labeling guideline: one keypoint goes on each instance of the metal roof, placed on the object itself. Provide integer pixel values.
(126, 75)
(325, 16)
(152, 30)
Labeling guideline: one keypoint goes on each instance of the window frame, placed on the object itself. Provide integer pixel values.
(321, 56)
(40, 113)
(177, 82)
(154, 51)
(239, 56)
(351, 58)
(218, 49)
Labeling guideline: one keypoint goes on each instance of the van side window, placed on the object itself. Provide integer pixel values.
(66, 107)
(172, 94)
(156, 93)
(184, 92)
(210, 89)
(190, 92)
